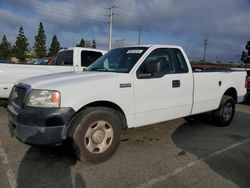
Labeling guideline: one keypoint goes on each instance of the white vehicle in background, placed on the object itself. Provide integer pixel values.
(127, 87)
(70, 59)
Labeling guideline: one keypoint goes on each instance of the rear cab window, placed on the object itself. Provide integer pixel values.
(65, 58)
(89, 57)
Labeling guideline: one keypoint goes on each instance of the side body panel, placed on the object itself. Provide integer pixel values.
(210, 87)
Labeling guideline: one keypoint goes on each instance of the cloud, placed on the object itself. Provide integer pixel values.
(223, 22)
(187, 23)
(11, 22)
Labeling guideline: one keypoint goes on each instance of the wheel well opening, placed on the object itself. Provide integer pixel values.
(70, 129)
(232, 92)
(112, 106)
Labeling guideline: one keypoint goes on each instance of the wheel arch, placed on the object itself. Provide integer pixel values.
(70, 128)
(232, 93)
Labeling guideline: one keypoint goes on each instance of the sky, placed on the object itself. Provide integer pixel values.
(225, 23)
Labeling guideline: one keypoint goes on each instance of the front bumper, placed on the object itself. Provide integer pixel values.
(39, 126)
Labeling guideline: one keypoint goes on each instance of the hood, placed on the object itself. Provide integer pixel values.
(10, 73)
(56, 80)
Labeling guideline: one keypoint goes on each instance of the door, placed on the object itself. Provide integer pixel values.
(165, 92)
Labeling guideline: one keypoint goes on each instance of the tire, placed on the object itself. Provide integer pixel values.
(97, 134)
(225, 113)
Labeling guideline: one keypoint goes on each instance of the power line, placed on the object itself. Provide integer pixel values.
(159, 25)
(91, 10)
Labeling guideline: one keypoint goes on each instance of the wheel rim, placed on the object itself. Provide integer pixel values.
(98, 137)
(227, 111)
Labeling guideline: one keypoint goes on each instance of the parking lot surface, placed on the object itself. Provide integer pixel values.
(169, 154)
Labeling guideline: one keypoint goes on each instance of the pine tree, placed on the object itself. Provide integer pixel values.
(93, 44)
(40, 42)
(245, 57)
(21, 45)
(54, 47)
(5, 49)
(248, 48)
(81, 44)
(88, 44)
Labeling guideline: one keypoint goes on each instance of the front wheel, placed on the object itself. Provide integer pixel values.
(225, 113)
(97, 134)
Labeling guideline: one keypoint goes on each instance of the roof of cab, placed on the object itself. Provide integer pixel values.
(84, 48)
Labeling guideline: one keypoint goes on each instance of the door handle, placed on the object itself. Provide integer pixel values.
(176, 83)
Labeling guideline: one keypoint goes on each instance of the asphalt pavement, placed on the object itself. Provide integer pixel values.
(170, 154)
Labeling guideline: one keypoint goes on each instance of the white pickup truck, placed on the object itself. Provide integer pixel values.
(70, 59)
(127, 87)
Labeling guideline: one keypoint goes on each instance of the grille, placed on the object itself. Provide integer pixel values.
(17, 95)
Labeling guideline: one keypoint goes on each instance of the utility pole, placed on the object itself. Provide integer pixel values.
(111, 14)
(139, 38)
(237, 59)
(205, 48)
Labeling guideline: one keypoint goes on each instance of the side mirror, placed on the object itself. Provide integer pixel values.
(151, 69)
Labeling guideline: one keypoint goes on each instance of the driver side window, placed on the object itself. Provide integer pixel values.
(157, 64)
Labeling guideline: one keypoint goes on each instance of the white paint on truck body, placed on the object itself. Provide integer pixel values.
(147, 101)
(10, 73)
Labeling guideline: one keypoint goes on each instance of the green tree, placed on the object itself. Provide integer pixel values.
(54, 47)
(93, 44)
(5, 49)
(245, 57)
(40, 42)
(21, 45)
(248, 48)
(88, 44)
(81, 44)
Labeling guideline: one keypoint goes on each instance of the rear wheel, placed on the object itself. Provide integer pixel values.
(97, 134)
(225, 113)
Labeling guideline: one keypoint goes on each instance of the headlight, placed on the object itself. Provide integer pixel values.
(43, 98)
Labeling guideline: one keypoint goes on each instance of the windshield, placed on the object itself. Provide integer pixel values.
(118, 60)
